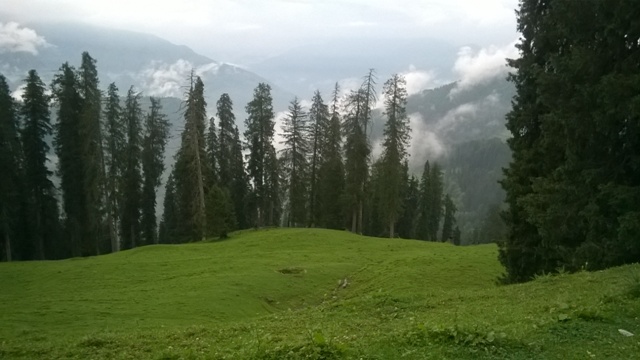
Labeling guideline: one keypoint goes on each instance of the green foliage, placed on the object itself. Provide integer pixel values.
(156, 129)
(262, 163)
(220, 215)
(295, 166)
(573, 198)
(132, 181)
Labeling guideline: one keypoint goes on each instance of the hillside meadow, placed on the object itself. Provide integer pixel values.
(311, 294)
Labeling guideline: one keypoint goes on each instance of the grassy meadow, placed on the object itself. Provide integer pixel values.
(311, 294)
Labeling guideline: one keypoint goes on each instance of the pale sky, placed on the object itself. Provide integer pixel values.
(240, 28)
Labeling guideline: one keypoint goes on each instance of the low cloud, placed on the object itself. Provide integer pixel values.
(480, 67)
(418, 80)
(424, 144)
(162, 79)
(14, 38)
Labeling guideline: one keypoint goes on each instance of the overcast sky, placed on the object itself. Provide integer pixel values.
(236, 29)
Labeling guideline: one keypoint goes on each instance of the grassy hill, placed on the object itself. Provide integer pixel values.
(315, 294)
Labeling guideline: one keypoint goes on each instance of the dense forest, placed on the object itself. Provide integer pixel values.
(573, 186)
(109, 157)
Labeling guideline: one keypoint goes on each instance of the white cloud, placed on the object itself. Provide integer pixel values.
(479, 67)
(14, 38)
(418, 80)
(161, 79)
(424, 144)
(17, 93)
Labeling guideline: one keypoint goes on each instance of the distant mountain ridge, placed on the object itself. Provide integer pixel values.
(151, 64)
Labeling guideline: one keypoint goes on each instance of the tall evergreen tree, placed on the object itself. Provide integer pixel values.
(132, 176)
(357, 150)
(295, 164)
(319, 118)
(431, 195)
(331, 172)
(92, 157)
(239, 184)
(212, 149)
(114, 156)
(262, 162)
(574, 139)
(408, 220)
(190, 164)
(10, 162)
(41, 193)
(394, 153)
(153, 145)
(169, 231)
(226, 134)
(68, 146)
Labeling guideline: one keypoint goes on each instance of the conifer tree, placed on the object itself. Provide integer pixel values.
(331, 172)
(431, 193)
(226, 135)
(409, 218)
(319, 118)
(295, 164)
(41, 193)
(92, 157)
(262, 162)
(394, 154)
(169, 231)
(132, 176)
(114, 156)
(153, 145)
(239, 184)
(212, 149)
(10, 162)
(69, 149)
(356, 149)
(190, 165)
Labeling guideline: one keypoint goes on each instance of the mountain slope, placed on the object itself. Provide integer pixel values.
(150, 64)
(308, 293)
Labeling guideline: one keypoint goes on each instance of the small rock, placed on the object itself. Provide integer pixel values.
(625, 332)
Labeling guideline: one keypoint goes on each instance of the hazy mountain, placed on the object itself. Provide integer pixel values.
(319, 65)
(151, 64)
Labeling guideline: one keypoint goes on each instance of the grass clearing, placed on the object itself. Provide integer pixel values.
(314, 294)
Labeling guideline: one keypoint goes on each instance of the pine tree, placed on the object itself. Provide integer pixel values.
(92, 157)
(41, 193)
(449, 224)
(190, 165)
(262, 162)
(431, 193)
(114, 152)
(169, 231)
(68, 146)
(10, 162)
(394, 154)
(226, 134)
(132, 177)
(356, 150)
(409, 218)
(319, 118)
(153, 146)
(295, 164)
(212, 149)
(220, 214)
(239, 184)
(331, 172)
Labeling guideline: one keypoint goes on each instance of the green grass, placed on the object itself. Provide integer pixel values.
(280, 294)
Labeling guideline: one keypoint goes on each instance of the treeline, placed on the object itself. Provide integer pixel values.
(109, 157)
(321, 176)
(573, 187)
